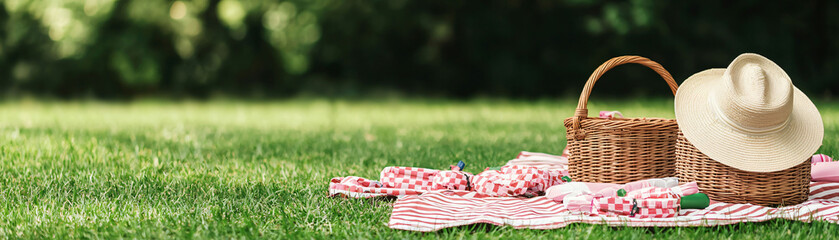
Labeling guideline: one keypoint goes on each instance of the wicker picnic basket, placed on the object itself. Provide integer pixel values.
(731, 185)
(620, 150)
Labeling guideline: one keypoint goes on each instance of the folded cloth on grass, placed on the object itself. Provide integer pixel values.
(358, 187)
(437, 210)
(399, 181)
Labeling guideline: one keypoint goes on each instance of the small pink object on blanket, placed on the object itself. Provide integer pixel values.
(824, 169)
(825, 172)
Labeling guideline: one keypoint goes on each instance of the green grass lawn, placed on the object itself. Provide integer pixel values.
(242, 169)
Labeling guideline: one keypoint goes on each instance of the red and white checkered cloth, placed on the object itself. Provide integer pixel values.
(639, 208)
(358, 187)
(648, 202)
(435, 210)
(515, 180)
(398, 182)
(451, 180)
(408, 177)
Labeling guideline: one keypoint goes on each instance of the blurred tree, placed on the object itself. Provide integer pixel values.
(510, 48)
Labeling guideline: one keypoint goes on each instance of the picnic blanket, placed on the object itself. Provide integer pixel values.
(436, 210)
(431, 199)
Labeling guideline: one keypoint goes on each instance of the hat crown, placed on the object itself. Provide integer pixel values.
(756, 95)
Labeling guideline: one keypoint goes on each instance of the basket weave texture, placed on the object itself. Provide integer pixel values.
(731, 185)
(620, 150)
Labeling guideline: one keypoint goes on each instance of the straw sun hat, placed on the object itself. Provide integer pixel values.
(749, 116)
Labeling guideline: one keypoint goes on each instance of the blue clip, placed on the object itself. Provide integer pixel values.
(461, 165)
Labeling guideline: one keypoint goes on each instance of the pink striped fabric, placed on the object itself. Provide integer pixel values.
(437, 210)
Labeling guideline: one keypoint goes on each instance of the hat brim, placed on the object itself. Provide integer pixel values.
(769, 152)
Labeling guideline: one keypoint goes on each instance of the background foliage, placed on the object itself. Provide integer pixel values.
(507, 48)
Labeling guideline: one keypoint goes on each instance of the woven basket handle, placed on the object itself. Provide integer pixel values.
(582, 110)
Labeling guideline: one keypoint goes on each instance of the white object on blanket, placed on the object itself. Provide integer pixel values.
(667, 182)
(540, 160)
(574, 189)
